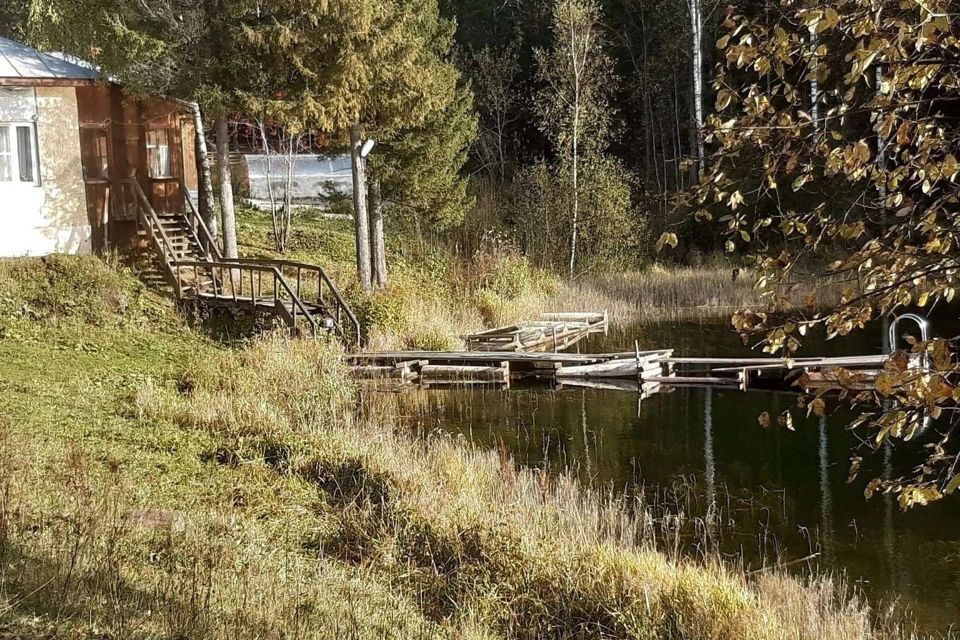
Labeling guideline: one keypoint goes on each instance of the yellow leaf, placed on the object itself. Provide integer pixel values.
(667, 239)
(724, 98)
(818, 407)
(953, 485)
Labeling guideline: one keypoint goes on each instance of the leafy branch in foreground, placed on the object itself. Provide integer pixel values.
(835, 144)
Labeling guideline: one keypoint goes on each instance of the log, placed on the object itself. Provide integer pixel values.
(701, 380)
(612, 384)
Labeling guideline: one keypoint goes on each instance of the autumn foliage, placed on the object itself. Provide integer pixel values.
(835, 147)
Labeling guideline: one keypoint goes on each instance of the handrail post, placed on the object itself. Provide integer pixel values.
(922, 323)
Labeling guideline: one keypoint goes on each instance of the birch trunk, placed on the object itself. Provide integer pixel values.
(227, 212)
(577, 70)
(881, 159)
(378, 243)
(815, 83)
(696, 30)
(204, 178)
(287, 220)
(270, 191)
(360, 216)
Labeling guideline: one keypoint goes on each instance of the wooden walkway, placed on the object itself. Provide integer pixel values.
(624, 371)
(189, 261)
(552, 332)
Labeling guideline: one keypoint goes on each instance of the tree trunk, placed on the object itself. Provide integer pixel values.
(576, 154)
(696, 30)
(277, 242)
(287, 222)
(227, 212)
(378, 243)
(205, 181)
(360, 216)
(881, 158)
(815, 83)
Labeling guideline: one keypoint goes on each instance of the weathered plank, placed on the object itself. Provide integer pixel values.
(447, 374)
(552, 332)
(611, 368)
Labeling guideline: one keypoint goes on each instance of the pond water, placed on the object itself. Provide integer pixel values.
(771, 496)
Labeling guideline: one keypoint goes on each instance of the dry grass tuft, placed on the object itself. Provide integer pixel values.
(678, 294)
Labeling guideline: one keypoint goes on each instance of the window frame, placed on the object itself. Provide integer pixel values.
(93, 134)
(166, 131)
(14, 154)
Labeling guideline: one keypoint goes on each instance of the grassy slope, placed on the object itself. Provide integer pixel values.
(116, 523)
(434, 297)
(153, 484)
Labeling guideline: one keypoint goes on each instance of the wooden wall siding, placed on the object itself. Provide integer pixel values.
(127, 121)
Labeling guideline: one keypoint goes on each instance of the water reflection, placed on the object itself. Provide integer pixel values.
(709, 466)
(826, 515)
(762, 496)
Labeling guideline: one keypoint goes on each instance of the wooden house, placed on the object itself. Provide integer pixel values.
(76, 152)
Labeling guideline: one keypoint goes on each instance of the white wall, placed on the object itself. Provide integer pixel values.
(51, 217)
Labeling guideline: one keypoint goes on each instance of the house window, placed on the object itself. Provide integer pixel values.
(158, 153)
(96, 154)
(18, 153)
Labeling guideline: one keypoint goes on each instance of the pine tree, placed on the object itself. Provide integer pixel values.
(368, 68)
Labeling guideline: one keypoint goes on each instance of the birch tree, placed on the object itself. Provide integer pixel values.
(574, 105)
(788, 190)
(281, 159)
(695, 7)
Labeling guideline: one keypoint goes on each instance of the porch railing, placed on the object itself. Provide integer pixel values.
(244, 284)
(297, 291)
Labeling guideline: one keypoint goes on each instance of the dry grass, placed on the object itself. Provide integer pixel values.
(478, 544)
(158, 486)
(435, 297)
(677, 294)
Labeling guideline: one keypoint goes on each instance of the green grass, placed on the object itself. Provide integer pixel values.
(154, 484)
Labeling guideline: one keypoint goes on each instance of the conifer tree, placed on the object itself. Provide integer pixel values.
(367, 68)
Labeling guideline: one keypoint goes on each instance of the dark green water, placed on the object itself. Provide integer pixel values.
(773, 496)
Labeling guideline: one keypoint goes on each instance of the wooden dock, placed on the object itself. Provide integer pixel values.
(552, 332)
(651, 370)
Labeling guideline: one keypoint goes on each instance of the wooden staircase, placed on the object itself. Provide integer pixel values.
(190, 263)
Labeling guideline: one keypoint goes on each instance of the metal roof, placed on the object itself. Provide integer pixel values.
(20, 61)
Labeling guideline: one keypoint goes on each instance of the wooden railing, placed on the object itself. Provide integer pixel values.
(294, 290)
(199, 225)
(256, 285)
(147, 218)
(307, 278)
